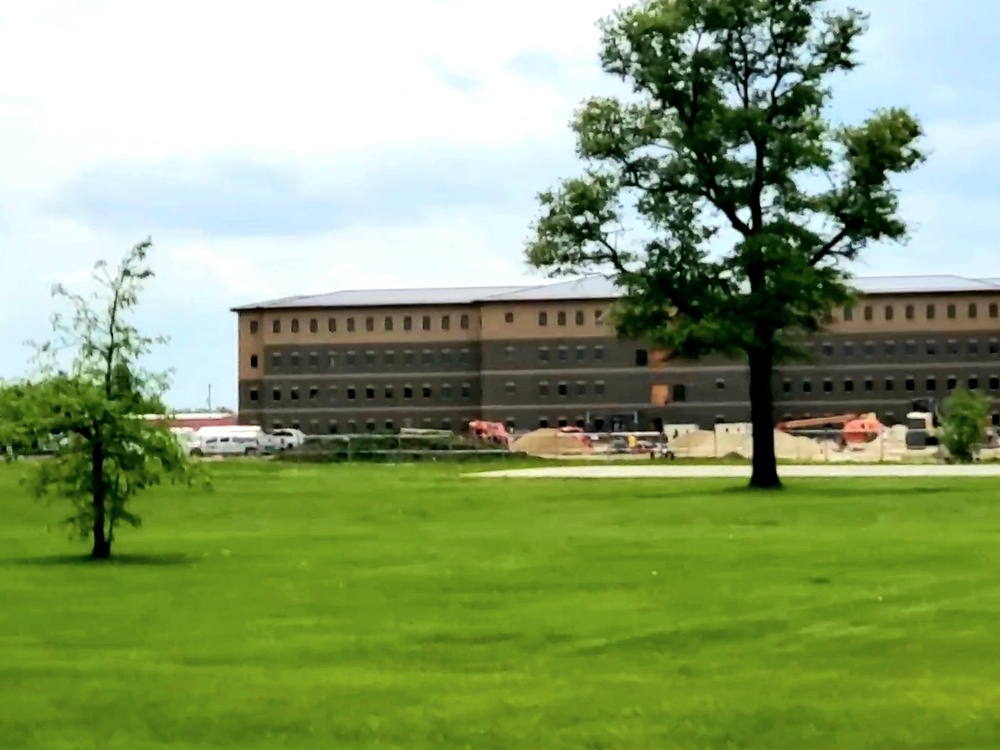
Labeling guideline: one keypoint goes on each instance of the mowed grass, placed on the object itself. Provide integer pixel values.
(408, 607)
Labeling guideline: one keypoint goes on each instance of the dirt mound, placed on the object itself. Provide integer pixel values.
(550, 442)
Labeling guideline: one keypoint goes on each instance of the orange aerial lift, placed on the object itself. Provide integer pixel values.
(851, 429)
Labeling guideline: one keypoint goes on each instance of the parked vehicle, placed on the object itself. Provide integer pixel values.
(228, 445)
(289, 437)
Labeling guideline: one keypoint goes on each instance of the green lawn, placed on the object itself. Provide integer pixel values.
(407, 607)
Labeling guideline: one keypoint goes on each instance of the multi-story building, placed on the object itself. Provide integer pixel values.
(546, 355)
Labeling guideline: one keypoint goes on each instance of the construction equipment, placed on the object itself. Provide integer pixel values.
(923, 425)
(843, 429)
(493, 432)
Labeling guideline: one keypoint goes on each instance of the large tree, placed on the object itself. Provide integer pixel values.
(745, 199)
(91, 393)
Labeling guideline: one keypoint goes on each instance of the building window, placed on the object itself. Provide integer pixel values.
(910, 311)
(543, 354)
(827, 385)
(508, 317)
(254, 325)
(827, 349)
(543, 388)
(600, 389)
(464, 356)
(313, 325)
(350, 325)
(370, 358)
(466, 391)
(562, 354)
(994, 346)
(294, 394)
(427, 357)
(890, 348)
(511, 424)
(869, 384)
(332, 427)
(425, 322)
(562, 389)
(720, 384)
(931, 346)
(869, 312)
(869, 348)
(446, 391)
(276, 394)
(890, 312)
(390, 426)
(387, 393)
(848, 314)
(370, 392)
(351, 393)
(370, 425)
(295, 325)
(543, 423)
(276, 326)
(294, 360)
(331, 360)
(254, 361)
(598, 317)
(910, 347)
(426, 390)
(509, 352)
(951, 310)
(445, 322)
(276, 360)
(910, 383)
(641, 358)
(510, 388)
(973, 383)
(952, 346)
(408, 357)
(581, 353)
(561, 318)
(407, 391)
(951, 383)
(848, 385)
(389, 357)
(254, 396)
(313, 360)
(786, 386)
(931, 383)
(387, 323)
(580, 318)
(543, 318)
(931, 311)
(972, 346)
(848, 348)
(973, 310)
(463, 322)
(995, 382)
(890, 384)
(407, 323)
(331, 325)
(446, 356)
(313, 392)
(994, 310)
(807, 385)
(598, 353)
(581, 388)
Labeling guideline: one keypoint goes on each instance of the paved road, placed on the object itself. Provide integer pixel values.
(626, 471)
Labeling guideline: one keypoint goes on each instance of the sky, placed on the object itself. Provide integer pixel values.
(308, 146)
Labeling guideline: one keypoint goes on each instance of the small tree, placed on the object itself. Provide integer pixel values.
(963, 424)
(751, 200)
(107, 452)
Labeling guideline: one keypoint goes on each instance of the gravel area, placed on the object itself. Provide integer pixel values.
(743, 472)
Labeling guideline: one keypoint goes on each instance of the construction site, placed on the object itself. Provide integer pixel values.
(859, 438)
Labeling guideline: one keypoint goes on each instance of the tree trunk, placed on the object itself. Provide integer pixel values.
(764, 471)
(102, 542)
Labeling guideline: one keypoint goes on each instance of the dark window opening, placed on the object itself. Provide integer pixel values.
(848, 385)
(827, 385)
(580, 318)
(388, 393)
(562, 389)
(407, 323)
(254, 326)
(931, 312)
(910, 312)
(313, 325)
(351, 393)
(463, 322)
(313, 392)
(445, 322)
(508, 317)
(910, 383)
(370, 392)
(543, 318)
(890, 312)
(848, 314)
(387, 323)
(426, 391)
(254, 361)
(641, 358)
(680, 392)
(890, 384)
(425, 322)
(407, 391)
(973, 383)
(331, 325)
(931, 383)
(254, 396)
(951, 383)
(973, 310)
(276, 326)
(295, 325)
(350, 325)
(869, 384)
(561, 318)
(952, 311)
(869, 312)
(932, 347)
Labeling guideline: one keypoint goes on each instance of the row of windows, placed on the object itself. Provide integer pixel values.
(930, 311)
(409, 357)
(369, 392)
(910, 347)
(354, 426)
(909, 383)
(444, 323)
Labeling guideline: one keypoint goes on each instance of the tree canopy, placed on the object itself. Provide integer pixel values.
(93, 406)
(744, 201)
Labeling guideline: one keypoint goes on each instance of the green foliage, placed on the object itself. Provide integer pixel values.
(963, 426)
(747, 201)
(106, 453)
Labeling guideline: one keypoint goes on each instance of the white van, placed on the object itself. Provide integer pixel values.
(289, 437)
(262, 442)
(229, 445)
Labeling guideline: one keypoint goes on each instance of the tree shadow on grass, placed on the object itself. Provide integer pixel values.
(160, 560)
(836, 490)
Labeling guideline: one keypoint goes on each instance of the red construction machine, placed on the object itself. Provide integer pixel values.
(491, 432)
(844, 429)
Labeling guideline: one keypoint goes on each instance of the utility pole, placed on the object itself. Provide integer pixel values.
(210, 397)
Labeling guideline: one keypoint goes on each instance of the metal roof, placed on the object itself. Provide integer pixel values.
(384, 298)
(587, 287)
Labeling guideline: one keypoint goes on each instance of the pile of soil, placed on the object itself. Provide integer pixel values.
(550, 442)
